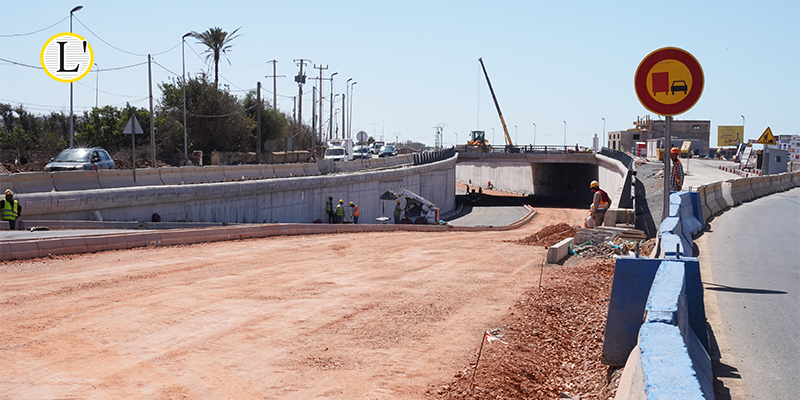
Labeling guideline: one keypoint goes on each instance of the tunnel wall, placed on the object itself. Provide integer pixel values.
(512, 177)
(292, 199)
(564, 181)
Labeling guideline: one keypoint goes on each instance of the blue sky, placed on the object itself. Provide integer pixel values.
(416, 62)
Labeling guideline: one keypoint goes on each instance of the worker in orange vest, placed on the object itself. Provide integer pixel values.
(354, 212)
(600, 203)
(676, 177)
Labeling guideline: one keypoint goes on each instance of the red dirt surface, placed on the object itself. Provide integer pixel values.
(548, 235)
(348, 316)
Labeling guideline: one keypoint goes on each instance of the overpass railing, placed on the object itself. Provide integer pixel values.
(432, 157)
(620, 156)
(524, 149)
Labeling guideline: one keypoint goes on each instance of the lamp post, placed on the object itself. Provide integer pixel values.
(330, 125)
(345, 131)
(350, 117)
(565, 134)
(96, 85)
(493, 135)
(604, 132)
(516, 135)
(185, 134)
(456, 133)
(737, 136)
(71, 131)
(534, 134)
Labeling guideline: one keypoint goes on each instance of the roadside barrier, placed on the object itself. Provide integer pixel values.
(214, 173)
(193, 175)
(114, 178)
(65, 181)
(171, 175)
(28, 182)
(267, 171)
(148, 177)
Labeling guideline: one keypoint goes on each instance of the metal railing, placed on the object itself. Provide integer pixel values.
(524, 149)
(620, 156)
(431, 157)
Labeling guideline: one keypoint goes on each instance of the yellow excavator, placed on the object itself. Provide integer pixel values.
(478, 137)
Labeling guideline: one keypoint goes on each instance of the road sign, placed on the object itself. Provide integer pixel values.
(362, 136)
(669, 81)
(133, 126)
(767, 137)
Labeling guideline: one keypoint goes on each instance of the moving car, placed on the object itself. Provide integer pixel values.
(80, 159)
(362, 152)
(387, 151)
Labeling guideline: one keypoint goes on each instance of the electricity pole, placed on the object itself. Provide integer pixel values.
(320, 68)
(258, 122)
(300, 79)
(274, 83)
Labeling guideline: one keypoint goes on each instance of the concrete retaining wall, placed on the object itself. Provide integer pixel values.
(292, 199)
(509, 177)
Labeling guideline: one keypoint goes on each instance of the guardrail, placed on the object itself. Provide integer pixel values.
(427, 158)
(524, 149)
(656, 322)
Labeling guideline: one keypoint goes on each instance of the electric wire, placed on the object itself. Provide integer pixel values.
(119, 49)
(36, 31)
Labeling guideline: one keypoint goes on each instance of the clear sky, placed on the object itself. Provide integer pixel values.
(416, 62)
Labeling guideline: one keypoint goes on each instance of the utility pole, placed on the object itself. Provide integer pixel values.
(274, 83)
(301, 80)
(330, 125)
(320, 68)
(152, 126)
(258, 122)
(313, 121)
(343, 130)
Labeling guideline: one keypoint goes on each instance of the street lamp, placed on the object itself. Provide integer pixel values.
(604, 132)
(493, 135)
(456, 133)
(516, 135)
(71, 131)
(185, 135)
(345, 131)
(737, 136)
(330, 125)
(565, 134)
(534, 134)
(350, 117)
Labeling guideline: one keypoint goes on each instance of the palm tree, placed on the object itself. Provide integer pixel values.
(218, 42)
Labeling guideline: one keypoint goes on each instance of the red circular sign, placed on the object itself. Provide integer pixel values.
(669, 81)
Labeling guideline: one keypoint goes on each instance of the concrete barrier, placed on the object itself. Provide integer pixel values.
(312, 169)
(114, 178)
(267, 171)
(711, 198)
(282, 170)
(721, 201)
(148, 177)
(32, 182)
(171, 175)
(296, 170)
(559, 251)
(235, 173)
(786, 181)
(193, 175)
(35, 203)
(214, 173)
(701, 192)
(6, 182)
(727, 193)
(66, 181)
(796, 179)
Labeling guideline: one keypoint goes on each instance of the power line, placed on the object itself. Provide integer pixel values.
(165, 68)
(21, 64)
(104, 92)
(36, 31)
(117, 48)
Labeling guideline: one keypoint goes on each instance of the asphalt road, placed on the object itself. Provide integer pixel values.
(751, 264)
(491, 216)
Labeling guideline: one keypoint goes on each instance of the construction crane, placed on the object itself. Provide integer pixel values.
(509, 144)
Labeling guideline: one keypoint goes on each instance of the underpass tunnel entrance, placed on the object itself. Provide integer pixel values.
(564, 181)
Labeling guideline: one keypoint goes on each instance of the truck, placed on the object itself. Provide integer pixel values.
(339, 150)
(416, 210)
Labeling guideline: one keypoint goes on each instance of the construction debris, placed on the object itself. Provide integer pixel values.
(600, 242)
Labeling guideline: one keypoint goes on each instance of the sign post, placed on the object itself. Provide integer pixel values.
(668, 82)
(133, 128)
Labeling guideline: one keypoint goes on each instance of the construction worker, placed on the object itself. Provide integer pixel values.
(676, 177)
(340, 212)
(354, 213)
(398, 211)
(600, 203)
(11, 210)
(329, 209)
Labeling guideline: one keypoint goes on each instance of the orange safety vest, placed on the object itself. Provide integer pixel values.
(356, 213)
(605, 201)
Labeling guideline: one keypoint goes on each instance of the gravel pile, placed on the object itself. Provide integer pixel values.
(551, 343)
(548, 235)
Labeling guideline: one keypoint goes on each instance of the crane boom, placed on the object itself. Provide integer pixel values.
(500, 113)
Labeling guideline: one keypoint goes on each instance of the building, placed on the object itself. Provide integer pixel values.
(697, 132)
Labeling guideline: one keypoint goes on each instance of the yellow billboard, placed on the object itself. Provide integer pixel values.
(729, 135)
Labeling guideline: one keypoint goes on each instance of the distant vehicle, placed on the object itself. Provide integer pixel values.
(387, 151)
(80, 159)
(339, 149)
(362, 152)
(679, 86)
(376, 147)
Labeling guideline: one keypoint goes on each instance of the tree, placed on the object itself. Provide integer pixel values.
(218, 42)
(215, 119)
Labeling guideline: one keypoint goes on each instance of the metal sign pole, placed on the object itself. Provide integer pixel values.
(667, 170)
(133, 147)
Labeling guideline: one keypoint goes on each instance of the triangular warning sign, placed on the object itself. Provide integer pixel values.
(133, 125)
(767, 137)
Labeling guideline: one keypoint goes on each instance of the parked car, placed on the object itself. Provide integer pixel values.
(80, 159)
(387, 151)
(362, 152)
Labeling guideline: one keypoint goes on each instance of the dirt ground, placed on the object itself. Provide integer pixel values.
(347, 316)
